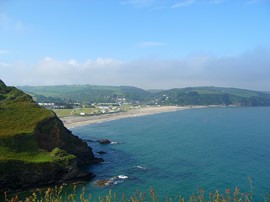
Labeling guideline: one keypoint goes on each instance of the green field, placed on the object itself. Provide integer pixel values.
(55, 155)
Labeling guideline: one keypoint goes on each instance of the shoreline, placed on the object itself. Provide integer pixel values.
(77, 121)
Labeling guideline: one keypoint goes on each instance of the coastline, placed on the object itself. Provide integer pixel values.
(77, 121)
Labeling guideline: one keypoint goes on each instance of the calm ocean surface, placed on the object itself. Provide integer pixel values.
(177, 153)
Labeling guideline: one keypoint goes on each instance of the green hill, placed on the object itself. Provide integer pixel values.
(32, 141)
(213, 96)
(183, 96)
(85, 93)
(18, 113)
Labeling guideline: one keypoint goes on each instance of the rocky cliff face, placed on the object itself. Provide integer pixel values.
(35, 147)
(19, 175)
(51, 134)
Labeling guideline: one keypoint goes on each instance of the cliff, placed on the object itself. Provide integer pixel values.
(35, 147)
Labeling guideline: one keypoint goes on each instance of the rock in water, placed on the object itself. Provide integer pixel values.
(104, 141)
(101, 152)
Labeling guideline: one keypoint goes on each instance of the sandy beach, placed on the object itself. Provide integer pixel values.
(75, 121)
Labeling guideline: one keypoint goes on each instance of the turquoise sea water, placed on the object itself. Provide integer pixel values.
(178, 153)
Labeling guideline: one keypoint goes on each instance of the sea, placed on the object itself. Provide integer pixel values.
(180, 153)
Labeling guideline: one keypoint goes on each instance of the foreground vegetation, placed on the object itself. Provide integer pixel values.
(58, 194)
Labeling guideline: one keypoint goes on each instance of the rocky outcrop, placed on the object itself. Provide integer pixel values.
(52, 133)
(101, 152)
(104, 141)
(48, 135)
(36, 149)
(19, 175)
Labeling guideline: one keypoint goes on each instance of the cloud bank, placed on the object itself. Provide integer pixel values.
(250, 71)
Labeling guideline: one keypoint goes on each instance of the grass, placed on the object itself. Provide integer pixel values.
(40, 156)
(18, 113)
(11, 162)
(21, 118)
(219, 90)
(76, 112)
(86, 110)
(63, 112)
(25, 156)
(58, 194)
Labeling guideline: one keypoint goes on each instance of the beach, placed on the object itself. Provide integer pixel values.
(76, 121)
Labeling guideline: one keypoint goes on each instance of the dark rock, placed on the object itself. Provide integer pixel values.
(104, 182)
(39, 174)
(52, 133)
(104, 141)
(97, 160)
(101, 152)
(86, 140)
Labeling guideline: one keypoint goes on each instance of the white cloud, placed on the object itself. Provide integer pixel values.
(102, 63)
(249, 70)
(72, 62)
(48, 59)
(183, 3)
(50, 71)
(148, 44)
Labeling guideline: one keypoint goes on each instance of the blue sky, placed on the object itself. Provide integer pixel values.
(144, 43)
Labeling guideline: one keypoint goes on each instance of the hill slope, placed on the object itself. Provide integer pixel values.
(85, 93)
(32, 141)
(213, 96)
(184, 96)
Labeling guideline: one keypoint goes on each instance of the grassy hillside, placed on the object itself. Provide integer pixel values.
(32, 141)
(213, 96)
(85, 93)
(18, 113)
(19, 117)
(184, 96)
(35, 156)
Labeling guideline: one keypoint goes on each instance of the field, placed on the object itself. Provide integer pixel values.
(91, 111)
(34, 157)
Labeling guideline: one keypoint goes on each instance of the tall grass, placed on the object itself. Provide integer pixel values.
(57, 194)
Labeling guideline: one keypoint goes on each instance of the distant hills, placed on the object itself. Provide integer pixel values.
(89, 94)
(214, 96)
(86, 94)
